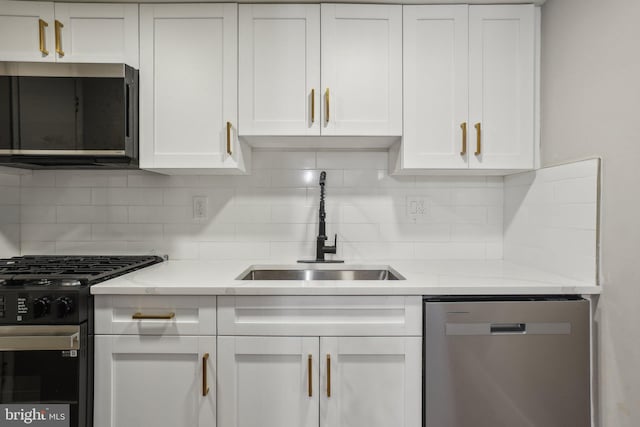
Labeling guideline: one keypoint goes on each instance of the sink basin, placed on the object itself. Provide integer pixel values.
(302, 273)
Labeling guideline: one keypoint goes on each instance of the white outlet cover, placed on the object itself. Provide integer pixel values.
(417, 208)
(200, 207)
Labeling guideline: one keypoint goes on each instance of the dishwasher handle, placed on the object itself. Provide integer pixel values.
(508, 328)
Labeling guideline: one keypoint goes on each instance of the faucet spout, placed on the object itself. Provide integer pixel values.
(321, 248)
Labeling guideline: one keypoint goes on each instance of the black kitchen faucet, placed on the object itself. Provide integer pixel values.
(321, 248)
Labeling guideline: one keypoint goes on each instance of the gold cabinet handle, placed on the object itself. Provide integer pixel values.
(229, 138)
(205, 387)
(463, 126)
(141, 316)
(326, 105)
(313, 105)
(310, 373)
(58, 27)
(328, 375)
(43, 43)
(479, 143)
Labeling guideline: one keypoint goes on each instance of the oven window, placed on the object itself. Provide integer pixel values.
(42, 377)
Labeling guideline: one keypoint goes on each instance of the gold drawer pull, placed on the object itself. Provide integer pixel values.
(141, 316)
(313, 105)
(43, 42)
(479, 142)
(229, 138)
(205, 386)
(59, 26)
(463, 126)
(326, 105)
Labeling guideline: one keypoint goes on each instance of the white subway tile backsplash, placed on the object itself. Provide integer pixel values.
(125, 232)
(410, 232)
(90, 179)
(89, 214)
(371, 178)
(36, 248)
(38, 179)
(577, 190)
(55, 232)
(36, 214)
(9, 214)
(125, 196)
(450, 250)
(550, 219)
(351, 160)
(284, 160)
(270, 214)
(9, 195)
(204, 232)
(234, 250)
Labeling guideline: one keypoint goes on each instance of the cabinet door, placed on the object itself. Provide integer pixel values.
(188, 87)
(154, 381)
(436, 96)
(97, 33)
(501, 86)
(26, 31)
(268, 382)
(373, 382)
(279, 74)
(361, 69)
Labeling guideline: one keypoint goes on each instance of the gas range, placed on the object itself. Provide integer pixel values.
(46, 330)
(55, 289)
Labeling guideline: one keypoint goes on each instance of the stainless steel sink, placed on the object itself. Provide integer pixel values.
(274, 273)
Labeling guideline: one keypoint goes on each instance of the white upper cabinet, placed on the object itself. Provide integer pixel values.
(27, 31)
(69, 32)
(279, 74)
(284, 89)
(436, 96)
(97, 33)
(361, 69)
(501, 86)
(468, 88)
(188, 89)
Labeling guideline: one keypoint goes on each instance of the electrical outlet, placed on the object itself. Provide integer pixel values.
(417, 208)
(200, 205)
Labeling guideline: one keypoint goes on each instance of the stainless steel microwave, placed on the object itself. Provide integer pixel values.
(68, 116)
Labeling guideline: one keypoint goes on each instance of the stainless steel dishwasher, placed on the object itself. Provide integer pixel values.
(507, 362)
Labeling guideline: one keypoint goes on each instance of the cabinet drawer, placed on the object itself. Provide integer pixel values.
(320, 315)
(155, 315)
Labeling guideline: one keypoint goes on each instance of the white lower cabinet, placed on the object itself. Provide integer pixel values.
(302, 361)
(333, 381)
(268, 381)
(371, 381)
(154, 381)
(155, 361)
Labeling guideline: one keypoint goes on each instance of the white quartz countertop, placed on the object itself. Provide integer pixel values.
(457, 277)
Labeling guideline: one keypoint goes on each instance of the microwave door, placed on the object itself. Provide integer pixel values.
(45, 116)
(48, 110)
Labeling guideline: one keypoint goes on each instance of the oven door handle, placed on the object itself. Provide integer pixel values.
(30, 338)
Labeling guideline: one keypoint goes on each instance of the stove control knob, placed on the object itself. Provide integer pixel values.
(41, 307)
(63, 306)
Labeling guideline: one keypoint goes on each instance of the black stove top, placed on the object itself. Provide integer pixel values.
(62, 270)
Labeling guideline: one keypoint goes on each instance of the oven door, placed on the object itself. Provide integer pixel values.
(45, 365)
